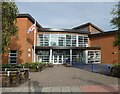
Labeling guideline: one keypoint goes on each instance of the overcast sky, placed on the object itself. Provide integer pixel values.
(68, 14)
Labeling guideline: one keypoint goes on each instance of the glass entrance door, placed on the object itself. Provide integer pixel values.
(57, 57)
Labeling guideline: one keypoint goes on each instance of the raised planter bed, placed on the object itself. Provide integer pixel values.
(14, 78)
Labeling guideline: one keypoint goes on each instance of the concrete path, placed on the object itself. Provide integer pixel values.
(67, 79)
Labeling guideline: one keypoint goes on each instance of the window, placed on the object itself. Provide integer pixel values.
(43, 56)
(13, 56)
(62, 40)
(68, 40)
(54, 40)
(73, 40)
(43, 39)
(82, 41)
(94, 56)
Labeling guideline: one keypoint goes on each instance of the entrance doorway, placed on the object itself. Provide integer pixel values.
(57, 57)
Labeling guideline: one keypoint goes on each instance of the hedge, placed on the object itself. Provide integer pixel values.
(115, 70)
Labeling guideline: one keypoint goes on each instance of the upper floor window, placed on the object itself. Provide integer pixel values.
(62, 40)
(43, 39)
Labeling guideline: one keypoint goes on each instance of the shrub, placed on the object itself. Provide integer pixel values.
(18, 66)
(34, 66)
(7, 66)
(115, 71)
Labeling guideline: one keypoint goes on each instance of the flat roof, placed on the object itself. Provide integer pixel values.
(63, 30)
(29, 17)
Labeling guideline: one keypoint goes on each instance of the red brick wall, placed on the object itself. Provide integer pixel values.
(20, 44)
(107, 49)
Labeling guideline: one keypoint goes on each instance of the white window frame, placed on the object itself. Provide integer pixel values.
(12, 56)
(94, 55)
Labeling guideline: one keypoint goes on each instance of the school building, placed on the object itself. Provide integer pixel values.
(86, 43)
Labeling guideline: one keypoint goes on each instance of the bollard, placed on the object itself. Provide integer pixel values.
(9, 78)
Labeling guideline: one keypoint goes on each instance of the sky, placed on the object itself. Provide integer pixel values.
(67, 15)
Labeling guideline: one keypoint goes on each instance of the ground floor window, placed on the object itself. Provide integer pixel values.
(61, 56)
(12, 56)
(94, 56)
(78, 56)
(43, 56)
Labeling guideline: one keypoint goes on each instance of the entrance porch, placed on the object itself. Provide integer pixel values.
(61, 56)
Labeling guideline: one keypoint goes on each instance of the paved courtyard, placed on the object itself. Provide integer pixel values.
(66, 79)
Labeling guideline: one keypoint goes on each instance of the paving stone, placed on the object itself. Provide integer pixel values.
(17, 89)
(46, 89)
(68, 78)
(66, 89)
(56, 89)
(75, 89)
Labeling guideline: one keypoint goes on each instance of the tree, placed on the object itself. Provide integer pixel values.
(9, 28)
(116, 22)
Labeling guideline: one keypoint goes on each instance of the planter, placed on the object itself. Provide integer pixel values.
(14, 78)
(115, 72)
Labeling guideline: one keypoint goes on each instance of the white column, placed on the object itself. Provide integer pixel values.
(70, 56)
(62, 59)
(57, 58)
(77, 40)
(50, 57)
(86, 56)
(53, 59)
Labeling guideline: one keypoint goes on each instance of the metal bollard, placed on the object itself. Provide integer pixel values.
(9, 78)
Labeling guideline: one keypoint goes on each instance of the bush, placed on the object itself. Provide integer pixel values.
(34, 66)
(115, 70)
(7, 66)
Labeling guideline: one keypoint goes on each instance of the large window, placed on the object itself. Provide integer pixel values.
(82, 41)
(62, 40)
(43, 39)
(43, 56)
(13, 56)
(68, 40)
(93, 56)
(78, 56)
(53, 40)
(73, 40)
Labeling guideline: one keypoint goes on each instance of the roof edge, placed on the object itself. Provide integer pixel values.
(29, 17)
(104, 33)
(89, 23)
